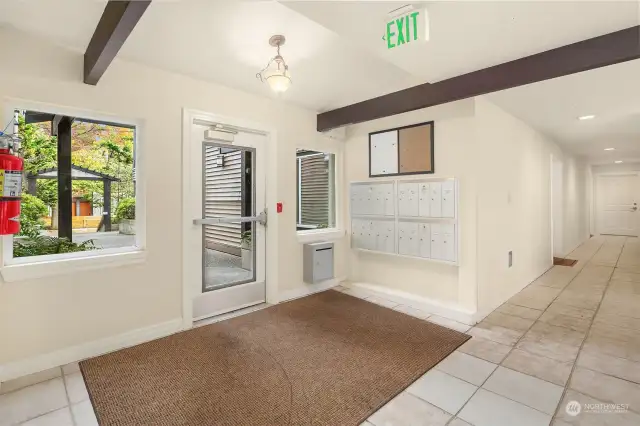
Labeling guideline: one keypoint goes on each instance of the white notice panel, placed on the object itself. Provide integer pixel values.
(383, 149)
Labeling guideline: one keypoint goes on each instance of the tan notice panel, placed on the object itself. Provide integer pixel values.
(415, 149)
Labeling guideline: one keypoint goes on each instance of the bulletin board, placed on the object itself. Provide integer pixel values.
(407, 150)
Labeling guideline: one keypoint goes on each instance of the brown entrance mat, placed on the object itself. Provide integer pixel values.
(326, 359)
(559, 261)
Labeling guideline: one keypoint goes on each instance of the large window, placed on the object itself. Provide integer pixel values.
(315, 189)
(79, 187)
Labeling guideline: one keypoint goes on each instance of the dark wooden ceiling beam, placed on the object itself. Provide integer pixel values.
(609, 49)
(118, 20)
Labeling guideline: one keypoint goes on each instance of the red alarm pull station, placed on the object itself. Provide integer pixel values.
(279, 207)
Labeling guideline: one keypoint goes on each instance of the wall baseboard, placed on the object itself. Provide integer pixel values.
(308, 289)
(16, 369)
(446, 310)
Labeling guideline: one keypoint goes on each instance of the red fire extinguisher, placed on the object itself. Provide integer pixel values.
(11, 167)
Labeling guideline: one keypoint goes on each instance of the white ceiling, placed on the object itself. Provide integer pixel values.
(337, 56)
(612, 94)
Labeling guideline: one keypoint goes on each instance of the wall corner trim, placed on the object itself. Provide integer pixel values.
(16, 369)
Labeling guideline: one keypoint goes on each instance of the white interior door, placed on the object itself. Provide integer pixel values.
(617, 204)
(228, 220)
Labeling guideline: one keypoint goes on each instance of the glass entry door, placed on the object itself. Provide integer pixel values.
(233, 221)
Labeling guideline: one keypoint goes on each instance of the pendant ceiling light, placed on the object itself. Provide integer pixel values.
(276, 73)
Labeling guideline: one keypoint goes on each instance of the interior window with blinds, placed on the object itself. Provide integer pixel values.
(315, 189)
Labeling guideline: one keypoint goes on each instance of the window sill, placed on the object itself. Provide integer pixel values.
(317, 235)
(46, 268)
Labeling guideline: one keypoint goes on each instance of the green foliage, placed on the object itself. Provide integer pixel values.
(99, 147)
(32, 210)
(245, 239)
(41, 245)
(126, 209)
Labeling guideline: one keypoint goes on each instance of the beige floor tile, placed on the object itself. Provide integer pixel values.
(634, 269)
(606, 388)
(489, 409)
(411, 311)
(625, 335)
(61, 417)
(616, 320)
(467, 367)
(559, 308)
(607, 364)
(31, 379)
(621, 304)
(538, 366)
(74, 367)
(611, 347)
(596, 272)
(496, 333)
(442, 390)
(409, 410)
(449, 323)
(508, 321)
(83, 414)
(580, 299)
(590, 418)
(624, 275)
(485, 349)
(543, 293)
(76, 388)
(519, 311)
(559, 343)
(382, 301)
(528, 390)
(357, 292)
(624, 287)
(32, 401)
(567, 321)
(529, 302)
(458, 422)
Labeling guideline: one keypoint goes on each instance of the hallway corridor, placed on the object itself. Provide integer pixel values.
(572, 335)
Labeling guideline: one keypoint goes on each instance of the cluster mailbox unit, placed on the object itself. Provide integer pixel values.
(416, 218)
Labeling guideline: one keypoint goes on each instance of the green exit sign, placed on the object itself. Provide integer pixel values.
(408, 28)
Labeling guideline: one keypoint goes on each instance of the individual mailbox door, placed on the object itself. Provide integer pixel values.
(408, 238)
(424, 199)
(384, 236)
(424, 237)
(436, 241)
(376, 206)
(448, 199)
(387, 196)
(407, 199)
(449, 247)
(436, 199)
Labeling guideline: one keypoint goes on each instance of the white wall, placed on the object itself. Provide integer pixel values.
(504, 169)
(454, 134)
(45, 315)
(514, 203)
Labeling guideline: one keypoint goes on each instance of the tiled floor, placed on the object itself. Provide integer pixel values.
(572, 335)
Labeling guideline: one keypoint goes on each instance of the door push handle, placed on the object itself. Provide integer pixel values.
(261, 219)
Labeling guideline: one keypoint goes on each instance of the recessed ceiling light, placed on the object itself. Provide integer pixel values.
(609, 149)
(587, 117)
(618, 162)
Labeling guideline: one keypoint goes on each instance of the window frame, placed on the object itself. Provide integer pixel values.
(17, 269)
(337, 230)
